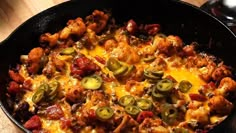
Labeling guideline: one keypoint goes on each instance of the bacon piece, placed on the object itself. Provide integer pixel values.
(16, 76)
(65, 123)
(152, 29)
(34, 123)
(131, 27)
(54, 112)
(197, 97)
(14, 87)
(100, 59)
(27, 84)
(143, 115)
(83, 66)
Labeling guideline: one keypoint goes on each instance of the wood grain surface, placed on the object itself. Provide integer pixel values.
(15, 12)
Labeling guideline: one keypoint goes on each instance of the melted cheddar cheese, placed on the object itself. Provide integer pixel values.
(123, 64)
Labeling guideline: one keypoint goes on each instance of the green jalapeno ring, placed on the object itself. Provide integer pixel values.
(92, 82)
(168, 113)
(130, 69)
(122, 70)
(144, 104)
(68, 51)
(126, 100)
(104, 113)
(153, 74)
(132, 110)
(164, 85)
(149, 59)
(158, 73)
(53, 87)
(113, 64)
(44, 86)
(38, 96)
(53, 97)
(184, 86)
(156, 94)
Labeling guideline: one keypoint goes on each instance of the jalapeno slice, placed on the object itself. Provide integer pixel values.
(92, 82)
(38, 96)
(157, 94)
(44, 86)
(68, 51)
(158, 73)
(184, 86)
(153, 74)
(130, 69)
(53, 87)
(132, 110)
(144, 104)
(149, 59)
(51, 98)
(104, 113)
(168, 113)
(164, 85)
(113, 64)
(126, 100)
(120, 71)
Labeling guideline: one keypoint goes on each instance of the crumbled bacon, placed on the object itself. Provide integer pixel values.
(83, 66)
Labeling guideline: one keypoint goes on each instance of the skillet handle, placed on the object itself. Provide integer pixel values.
(225, 12)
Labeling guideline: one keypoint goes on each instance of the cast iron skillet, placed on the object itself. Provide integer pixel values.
(177, 18)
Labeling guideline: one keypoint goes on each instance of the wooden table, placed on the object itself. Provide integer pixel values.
(15, 12)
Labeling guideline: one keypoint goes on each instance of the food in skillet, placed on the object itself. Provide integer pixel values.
(96, 76)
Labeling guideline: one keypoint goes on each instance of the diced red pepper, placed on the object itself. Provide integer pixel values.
(34, 123)
(197, 97)
(143, 115)
(54, 112)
